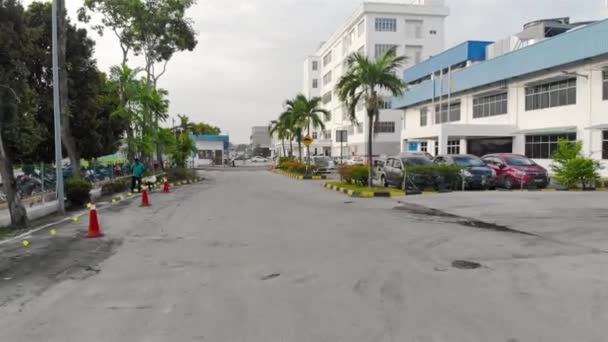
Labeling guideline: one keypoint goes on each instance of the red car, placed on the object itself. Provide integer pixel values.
(513, 169)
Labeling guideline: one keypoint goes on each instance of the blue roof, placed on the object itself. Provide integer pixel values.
(212, 137)
(468, 51)
(576, 45)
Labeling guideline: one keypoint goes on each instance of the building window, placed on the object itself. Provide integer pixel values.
(315, 83)
(413, 29)
(327, 78)
(442, 115)
(386, 25)
(327, 134)
(424, 146)
(453, 146)
(380, 49)
(327, 97)
(360, 127)
(384, 127)
(554, 94)
(385, 104)
(436, 148)
(361, 28)
(327, 117)
(433, 32)
(414, 53)
(604, 144)
(489, 105)
(424, 117)
(605, 84)
(314, 135)
(327, 58)
(315, 66)
(543, 146)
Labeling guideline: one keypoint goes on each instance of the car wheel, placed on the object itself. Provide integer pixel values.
(508, 183)
(383, 181)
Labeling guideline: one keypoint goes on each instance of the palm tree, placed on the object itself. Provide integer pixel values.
(307, 113)
(292, 121)
(363, 81)
(277, 127)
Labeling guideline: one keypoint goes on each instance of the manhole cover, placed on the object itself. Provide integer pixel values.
(465, 265)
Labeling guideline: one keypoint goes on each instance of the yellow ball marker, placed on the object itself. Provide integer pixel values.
(113, 200)
(75, 218)
(53, 232)
(129, 194)
(89, 205)
(25, 243)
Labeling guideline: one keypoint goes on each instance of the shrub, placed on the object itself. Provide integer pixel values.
(179, 174)
(571, 168)
(354, 174)
(284, 160)
(78, 191)
(438, 177)
(116, 186)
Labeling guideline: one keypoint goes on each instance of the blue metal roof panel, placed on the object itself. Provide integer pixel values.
(586, 42)
(467, 51)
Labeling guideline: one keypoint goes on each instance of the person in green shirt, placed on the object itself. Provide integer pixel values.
(138, 172)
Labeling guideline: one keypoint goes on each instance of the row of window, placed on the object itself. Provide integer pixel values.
(380, 49)
(447, 113)
(605, 145)
(413, 28)
(605, 84)
(326, 97)
(554, 94)
(543, 146)
(490, 105)
(384, 127)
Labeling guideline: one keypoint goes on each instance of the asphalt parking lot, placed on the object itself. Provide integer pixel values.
(575, 217)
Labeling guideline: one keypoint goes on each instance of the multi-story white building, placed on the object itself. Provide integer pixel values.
(519, 95)
(415, 28)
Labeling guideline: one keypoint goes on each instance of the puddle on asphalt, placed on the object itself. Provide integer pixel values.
(465, 265)
(271, 276)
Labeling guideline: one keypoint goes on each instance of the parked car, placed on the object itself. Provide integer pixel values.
(355, 161)
(392, 173)
(325, 164)
(475, 172)
(258, 159)
(514, 171)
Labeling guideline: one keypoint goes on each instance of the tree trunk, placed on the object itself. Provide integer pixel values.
(291, 147)
(370, 134)
(283, 146)
(308, 146)
(17, 211)
(66, 133)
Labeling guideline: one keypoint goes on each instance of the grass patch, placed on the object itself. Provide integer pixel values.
(5, 232)
(358, 188)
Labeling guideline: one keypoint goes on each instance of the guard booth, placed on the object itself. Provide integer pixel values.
(211, 149)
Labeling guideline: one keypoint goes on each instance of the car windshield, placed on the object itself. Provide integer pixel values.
(323, 161)
(415, 161)
(468, 161)
(519, 161)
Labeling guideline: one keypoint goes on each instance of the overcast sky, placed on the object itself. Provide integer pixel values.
(250, 52)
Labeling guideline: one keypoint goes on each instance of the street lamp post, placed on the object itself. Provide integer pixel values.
(57, 113)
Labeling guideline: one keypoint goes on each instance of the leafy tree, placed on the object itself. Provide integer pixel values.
(184, 147)
(364, 82)
(277, 127)
(204, 128)
(14, 102)
(293, 121)
(124, 81)
(572, 168)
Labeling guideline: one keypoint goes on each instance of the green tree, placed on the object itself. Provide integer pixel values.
(294, 122)
(205, 128)
(277, 127)
(14, 101)
(571, 168)
(364, 82)
(307, 113)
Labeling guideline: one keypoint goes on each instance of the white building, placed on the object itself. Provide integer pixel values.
(519, 95)
(210, 149)
(415, 28)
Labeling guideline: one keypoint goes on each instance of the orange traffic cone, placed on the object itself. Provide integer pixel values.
(165, 185)
(94, 230)
(145, 202)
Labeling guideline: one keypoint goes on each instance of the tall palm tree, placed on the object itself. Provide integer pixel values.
(365, 81)
(307, 113)
(291, 120)
(277, 127)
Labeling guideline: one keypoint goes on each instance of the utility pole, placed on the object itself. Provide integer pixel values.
(57, 113)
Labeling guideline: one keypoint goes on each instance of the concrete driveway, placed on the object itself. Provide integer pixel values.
(255, 256)
(575, 217)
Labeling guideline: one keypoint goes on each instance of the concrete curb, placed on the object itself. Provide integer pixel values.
(301, 177)
(359, 194)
